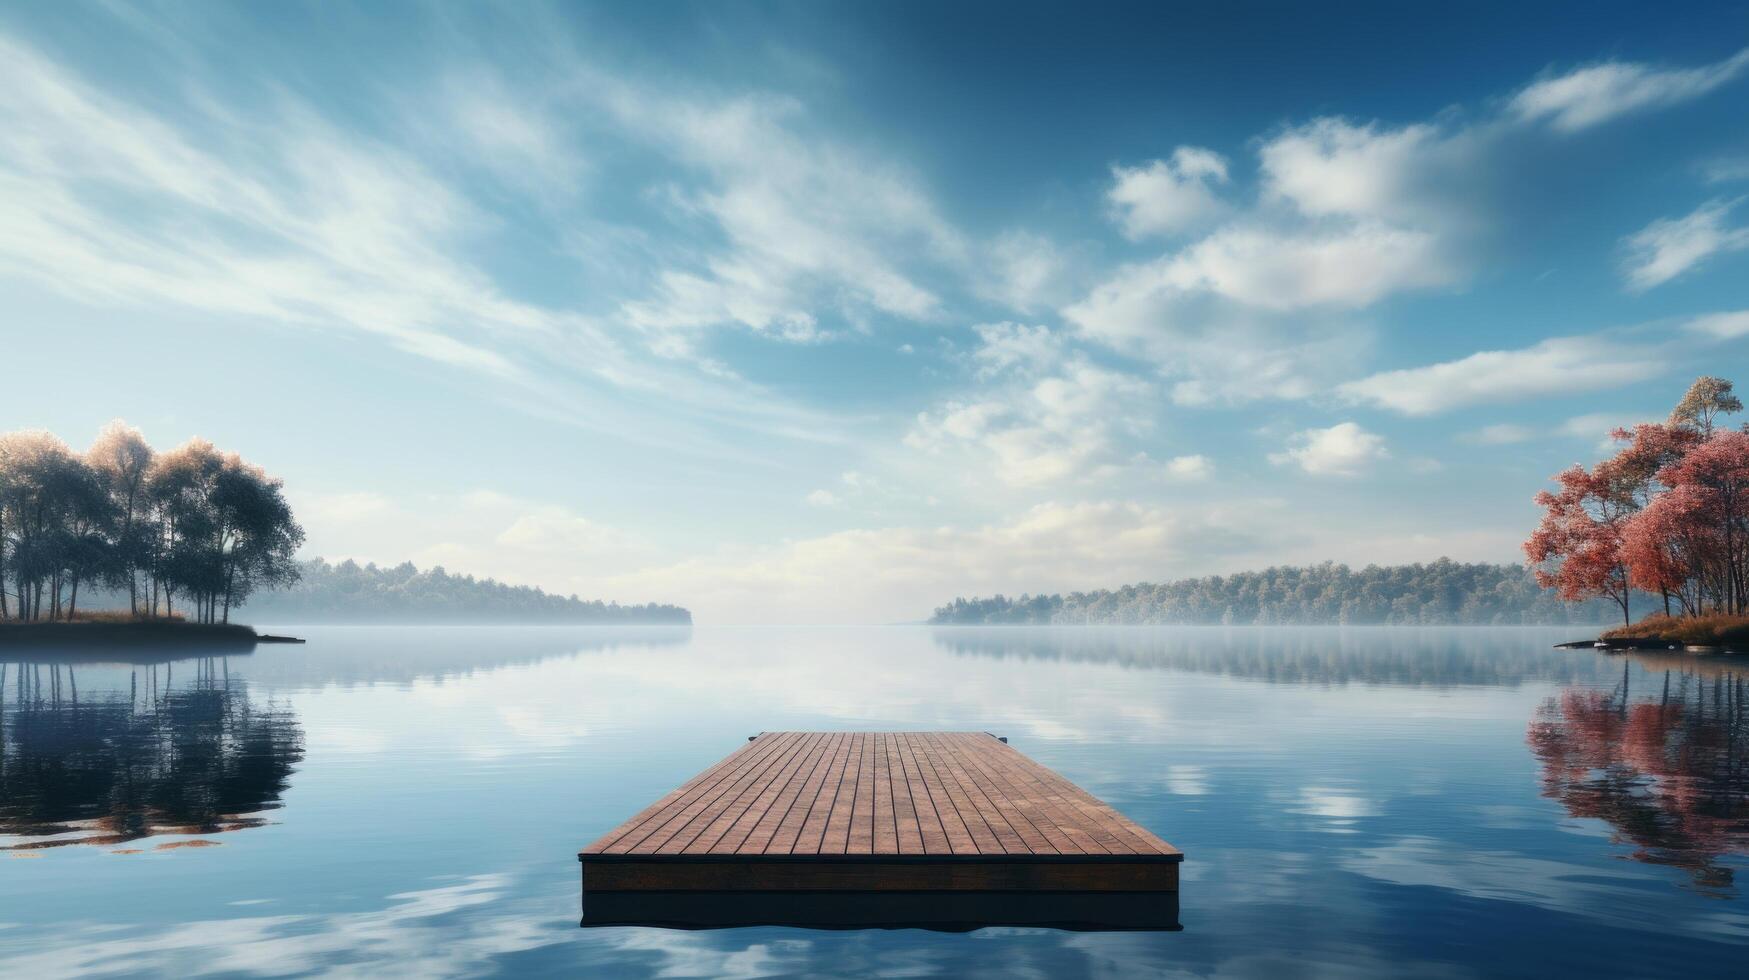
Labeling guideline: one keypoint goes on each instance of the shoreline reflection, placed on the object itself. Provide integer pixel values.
(176, 752)
(1664, 767)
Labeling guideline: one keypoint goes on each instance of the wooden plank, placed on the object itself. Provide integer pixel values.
(729, 838)
(1100, 814)
(813, 833)
(789, 827)
(893, 811)
(862, 812)
(677, 831)
(931, 829)
(982, 837)
(1051, 805)
(765, 830)
(837, 836)
(607, 840)
(658, 814)
(968, 757)
(959, 836)
(908, 827)
(886, 823)
(994, 818)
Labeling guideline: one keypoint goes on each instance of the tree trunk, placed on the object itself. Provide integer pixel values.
(73, 600)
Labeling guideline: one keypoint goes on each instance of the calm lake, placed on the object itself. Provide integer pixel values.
(1434, 802)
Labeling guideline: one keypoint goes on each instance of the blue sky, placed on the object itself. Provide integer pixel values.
(826, 313)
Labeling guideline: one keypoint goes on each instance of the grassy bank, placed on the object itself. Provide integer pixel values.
(1695, 631)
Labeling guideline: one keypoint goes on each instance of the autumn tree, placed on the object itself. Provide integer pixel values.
(1577, 549)
(1667, 514)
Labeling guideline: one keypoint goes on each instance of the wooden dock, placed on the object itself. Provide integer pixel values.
(860, 813)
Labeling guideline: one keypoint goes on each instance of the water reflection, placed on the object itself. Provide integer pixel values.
(1435, 657)
(1663, 766)
(183, 749)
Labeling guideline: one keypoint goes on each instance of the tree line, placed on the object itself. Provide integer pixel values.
(1434, 593)
(350, 592)
(192, 525)
(1667, 515)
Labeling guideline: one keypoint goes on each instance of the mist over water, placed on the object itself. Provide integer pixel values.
(1449, 802)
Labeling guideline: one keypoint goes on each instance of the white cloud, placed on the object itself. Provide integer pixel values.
(1556, 365)
(1331, 167)
(1597, 93)
(1722, 326)
(1344, 449)
(823, 498)
(1168, 196)
(1190, 468)
(1668, 247)
(1047, 414)
(1266, 270)
(809, 224)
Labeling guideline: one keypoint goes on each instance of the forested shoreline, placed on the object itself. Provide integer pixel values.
(347, 592)
(192, 524)
(1441, 592)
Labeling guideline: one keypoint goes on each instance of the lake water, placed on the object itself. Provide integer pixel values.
(1439, 802)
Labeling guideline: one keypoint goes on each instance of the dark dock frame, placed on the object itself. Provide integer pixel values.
(849, 829)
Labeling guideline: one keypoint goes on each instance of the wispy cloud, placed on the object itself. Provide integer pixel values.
(1554, 365)
(1594, 94)
(1668, 247)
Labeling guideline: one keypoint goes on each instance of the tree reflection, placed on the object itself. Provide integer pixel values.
(1663, 767)
(183, 753)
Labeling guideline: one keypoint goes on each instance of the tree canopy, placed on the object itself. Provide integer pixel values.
(1439, 592)
(350, 592)
(1668, 515)
(193, 523)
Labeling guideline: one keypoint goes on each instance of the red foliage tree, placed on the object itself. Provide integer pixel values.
(1577, 549)
(1667, 514)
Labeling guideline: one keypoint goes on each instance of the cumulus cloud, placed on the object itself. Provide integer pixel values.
(1047, 413)
(1554, 365)
(1348, 215)
(1167, 196)
(1333, 166)
(1668, 247)
(1598, 93)
(1344, 449)
(1190, 468)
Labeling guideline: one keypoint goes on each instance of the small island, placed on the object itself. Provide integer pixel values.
(123, 546)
